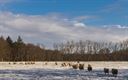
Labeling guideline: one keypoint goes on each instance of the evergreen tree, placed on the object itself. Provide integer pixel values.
(9, 40)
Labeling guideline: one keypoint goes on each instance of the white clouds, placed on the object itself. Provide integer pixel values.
(47, 29)
(79, 24)
(122, 27)
(115, 26)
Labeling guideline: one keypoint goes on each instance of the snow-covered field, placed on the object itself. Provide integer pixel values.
(52, 71)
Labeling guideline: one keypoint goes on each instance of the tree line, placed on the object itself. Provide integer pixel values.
(93, 51)
(69, 51)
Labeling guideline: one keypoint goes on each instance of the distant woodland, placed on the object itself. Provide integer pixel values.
(69, 51)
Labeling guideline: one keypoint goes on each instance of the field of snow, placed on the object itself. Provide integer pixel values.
(53, 71)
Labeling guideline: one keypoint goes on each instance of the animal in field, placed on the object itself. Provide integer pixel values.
(32, 62)
(45, 63)
(81, 66)
(89, 67)
(20, 63)
(63, 64)
(75, 66)
(55, 63)
(114, 72)
(106, 70)
(69, 64)
(14, 62)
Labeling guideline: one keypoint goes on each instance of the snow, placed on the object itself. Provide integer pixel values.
(52, 65)
(50, 74)
(51, 71)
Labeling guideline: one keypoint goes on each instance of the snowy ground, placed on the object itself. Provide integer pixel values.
(50, 71)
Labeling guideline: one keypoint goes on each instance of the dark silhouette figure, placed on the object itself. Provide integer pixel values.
(114, 72)
(63, 64)
(75, 66)
(89, 67)
(106, 70)
(55, 63)
(81, 66)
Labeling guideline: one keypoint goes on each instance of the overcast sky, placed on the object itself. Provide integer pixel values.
(52, 21)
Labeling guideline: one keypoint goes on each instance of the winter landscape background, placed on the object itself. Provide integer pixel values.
(38, 38)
